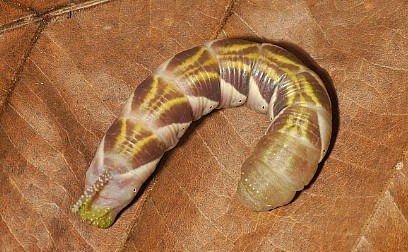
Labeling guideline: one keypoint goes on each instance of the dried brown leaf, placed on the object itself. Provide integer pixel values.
(66, 68)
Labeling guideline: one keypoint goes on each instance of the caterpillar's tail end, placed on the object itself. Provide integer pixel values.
(97, 216)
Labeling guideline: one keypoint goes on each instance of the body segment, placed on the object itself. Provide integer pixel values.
(220, 74)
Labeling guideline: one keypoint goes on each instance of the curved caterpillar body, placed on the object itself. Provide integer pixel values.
(220, 74)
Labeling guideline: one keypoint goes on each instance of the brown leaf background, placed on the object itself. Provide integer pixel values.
(66, 68)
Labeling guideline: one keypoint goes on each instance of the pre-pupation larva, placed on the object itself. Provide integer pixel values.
(220, 74)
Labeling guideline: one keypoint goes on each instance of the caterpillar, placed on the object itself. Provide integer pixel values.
(219, 74)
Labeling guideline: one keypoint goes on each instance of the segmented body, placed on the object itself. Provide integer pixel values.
(220, 74)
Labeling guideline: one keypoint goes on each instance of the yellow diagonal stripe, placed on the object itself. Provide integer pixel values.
(190, 61)
(282, 59)
(152, 92)
(121, 137)
(171, 103)
(124, 143)
(250, 56)
(234, 48)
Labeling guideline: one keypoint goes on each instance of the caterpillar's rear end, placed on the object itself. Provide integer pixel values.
(219, 74)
